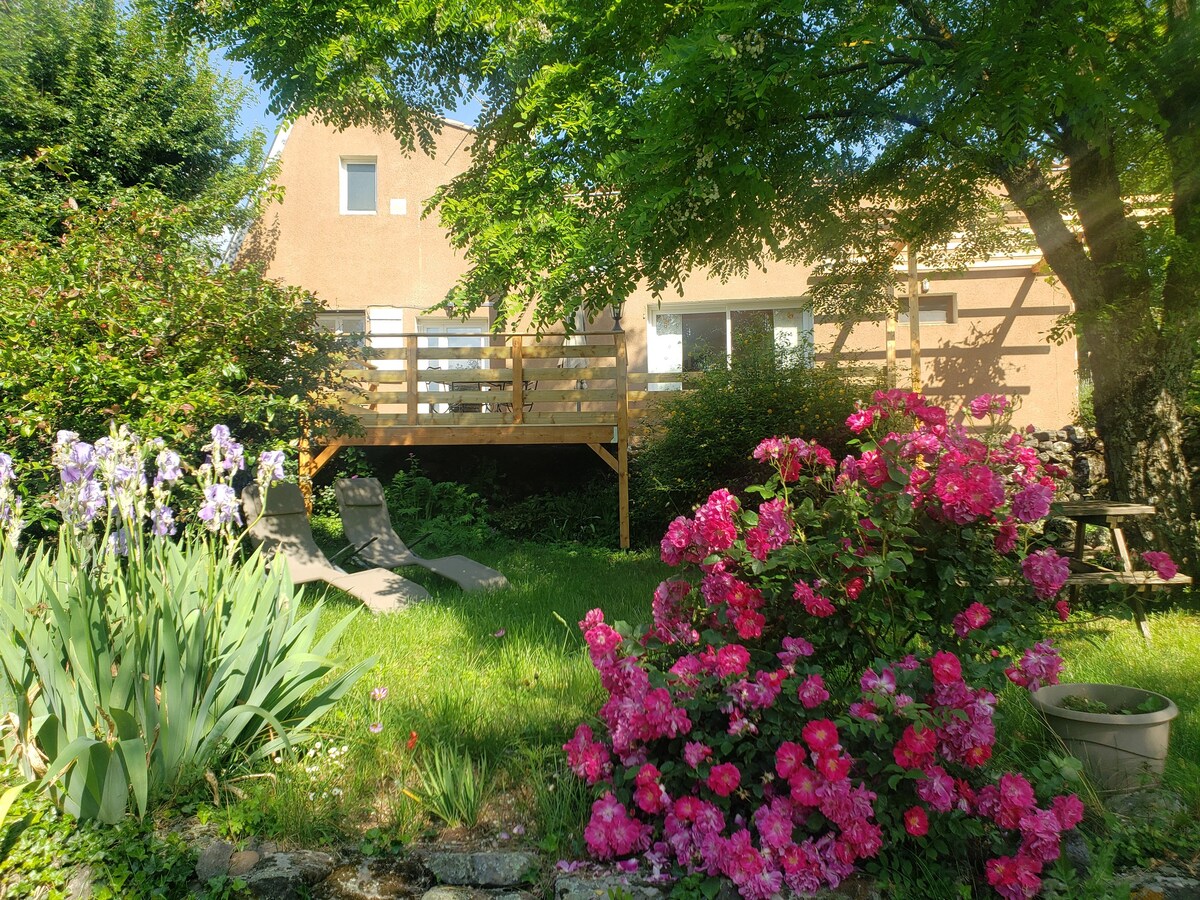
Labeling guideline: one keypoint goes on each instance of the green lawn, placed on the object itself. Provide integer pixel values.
(1113, 652)
(492, 684)
(502, 677)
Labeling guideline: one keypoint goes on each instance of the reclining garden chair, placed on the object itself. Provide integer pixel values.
(283, 527)
(366, 522)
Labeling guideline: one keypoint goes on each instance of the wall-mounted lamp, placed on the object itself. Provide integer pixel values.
(615, 309)
(924, 285)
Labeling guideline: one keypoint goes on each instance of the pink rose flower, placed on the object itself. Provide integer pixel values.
(724, 779)
(1161, 563)
(916, 822)
(946, 668)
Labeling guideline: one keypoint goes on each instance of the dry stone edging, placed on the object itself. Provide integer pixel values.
(424, 873)
(290, 875)
(438, 873)
(599, 885)
(1165, 883)
(479, 868)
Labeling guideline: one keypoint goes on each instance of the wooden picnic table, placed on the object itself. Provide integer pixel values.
(1084, 572)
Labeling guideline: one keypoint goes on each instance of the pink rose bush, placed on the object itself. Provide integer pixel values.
(818, 686)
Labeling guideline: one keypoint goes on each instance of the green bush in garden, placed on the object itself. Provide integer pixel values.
(445, 515)
(126, 318)
(136, 662)
(704, 435)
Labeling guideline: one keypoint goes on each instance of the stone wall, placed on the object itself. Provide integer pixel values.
(1080, 453)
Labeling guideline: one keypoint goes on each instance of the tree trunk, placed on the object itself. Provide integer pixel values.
(1141, 370)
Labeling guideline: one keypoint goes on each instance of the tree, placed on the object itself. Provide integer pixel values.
(125, 318)
(641, 140)
(93, 100)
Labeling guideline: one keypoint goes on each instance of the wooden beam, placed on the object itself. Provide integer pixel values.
(608, 458)
(318, 462)
(914, 321)
(480, 435)
(623, 437)
(411, 350)
(518, 382)
(304, 464)
(890, 347)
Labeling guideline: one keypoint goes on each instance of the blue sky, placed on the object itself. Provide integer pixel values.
(255, 115)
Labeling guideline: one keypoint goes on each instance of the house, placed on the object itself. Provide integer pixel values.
(349, 228)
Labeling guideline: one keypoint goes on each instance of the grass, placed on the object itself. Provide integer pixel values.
(1112, 651)
(497, 681)
(492, 684)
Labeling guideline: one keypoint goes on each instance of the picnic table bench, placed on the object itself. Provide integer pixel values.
(1084, 572)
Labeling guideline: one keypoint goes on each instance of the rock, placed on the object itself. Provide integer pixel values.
(79, 885)
(1151, 804)
(1041, 436)
(242, 862)
(454, 892)
(503, 869)
(579, 886)
(1061, 447)
(1166, 883)
(857, 887)
(487, 869)
(376, 879)
(288, 876)
(451, 867)
(214, 861)
(1077, 853)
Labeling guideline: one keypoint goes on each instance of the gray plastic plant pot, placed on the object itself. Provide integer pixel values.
(1119, 752)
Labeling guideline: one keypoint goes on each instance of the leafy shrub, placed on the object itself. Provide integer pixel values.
(704, 435)
(444, 516)
(587, 515)
(137, 662)
(817, 688)
(126, 318)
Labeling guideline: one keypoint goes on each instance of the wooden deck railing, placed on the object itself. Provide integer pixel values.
(496, 389)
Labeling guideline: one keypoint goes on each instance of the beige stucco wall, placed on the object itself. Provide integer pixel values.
(396, 266)
(361, 261)
(999, 343)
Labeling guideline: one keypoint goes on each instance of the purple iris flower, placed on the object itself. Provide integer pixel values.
(270, 467)
(220, 507)
(162, 521)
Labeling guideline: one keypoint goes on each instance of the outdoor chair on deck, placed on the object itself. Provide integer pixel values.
(366, 522)
(283, 527)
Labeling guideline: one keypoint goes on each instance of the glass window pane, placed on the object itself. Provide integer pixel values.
(703, 339)
(753, 333)
(932, 310)
(360, 187)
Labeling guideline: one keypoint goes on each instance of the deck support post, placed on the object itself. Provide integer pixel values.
(305, 464)
(622, 436)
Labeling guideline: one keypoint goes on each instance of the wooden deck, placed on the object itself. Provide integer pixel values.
(507, 389)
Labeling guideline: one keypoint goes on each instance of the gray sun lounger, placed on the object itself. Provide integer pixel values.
(366, 521)
(284, 527)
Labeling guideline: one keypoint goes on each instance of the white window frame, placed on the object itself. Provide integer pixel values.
(654, 310)
(343, 185)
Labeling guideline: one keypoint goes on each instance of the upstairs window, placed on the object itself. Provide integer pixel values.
(933, 309)
(358, 186)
